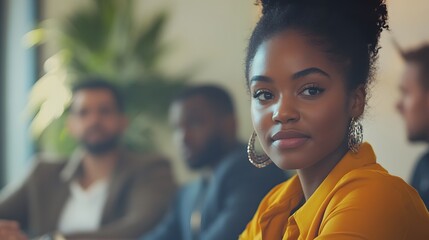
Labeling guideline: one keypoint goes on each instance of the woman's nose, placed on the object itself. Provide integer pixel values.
(285, 111)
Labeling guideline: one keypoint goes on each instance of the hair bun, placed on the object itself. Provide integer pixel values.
(268, 5)
(370, 16)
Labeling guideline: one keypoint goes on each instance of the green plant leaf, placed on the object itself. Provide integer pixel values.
(104, 41)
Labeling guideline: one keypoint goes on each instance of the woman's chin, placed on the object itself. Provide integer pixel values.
(286, 165)
(289, 162)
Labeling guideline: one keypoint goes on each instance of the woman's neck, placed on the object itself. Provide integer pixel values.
(313, 176)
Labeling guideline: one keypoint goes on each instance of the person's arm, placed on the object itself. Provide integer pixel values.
(151, 195)
(245, 190)
(14, 198)
(11, 230)
(421, 175)
(369, 209)
(13, 203)
(416, 176)
(169, 227)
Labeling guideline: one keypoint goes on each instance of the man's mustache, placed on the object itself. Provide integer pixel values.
(94, 129)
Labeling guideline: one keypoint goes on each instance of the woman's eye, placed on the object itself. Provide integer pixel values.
(263, 95)
(312, 91)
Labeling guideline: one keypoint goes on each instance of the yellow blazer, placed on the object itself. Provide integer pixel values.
(359, 199)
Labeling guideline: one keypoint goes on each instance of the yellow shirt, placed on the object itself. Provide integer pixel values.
(359, 199)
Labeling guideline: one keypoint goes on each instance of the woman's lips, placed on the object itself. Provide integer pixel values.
(286, 140)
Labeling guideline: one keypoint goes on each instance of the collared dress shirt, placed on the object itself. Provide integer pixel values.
(358, 199)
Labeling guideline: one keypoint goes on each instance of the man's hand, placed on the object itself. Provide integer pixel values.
(10, 230)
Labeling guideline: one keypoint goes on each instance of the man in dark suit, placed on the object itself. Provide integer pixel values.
(414, 107)
(220, 203)
(102, 191)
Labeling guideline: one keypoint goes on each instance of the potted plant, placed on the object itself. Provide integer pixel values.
(102, 41)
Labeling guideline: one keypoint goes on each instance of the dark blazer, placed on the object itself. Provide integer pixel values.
(140, 191)
(420, 178)
(232, 196)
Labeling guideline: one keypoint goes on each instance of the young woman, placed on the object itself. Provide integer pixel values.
(308, 68)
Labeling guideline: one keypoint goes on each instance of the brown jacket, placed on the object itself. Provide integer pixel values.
(139, 193)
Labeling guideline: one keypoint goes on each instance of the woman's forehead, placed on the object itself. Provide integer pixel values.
(288, 53)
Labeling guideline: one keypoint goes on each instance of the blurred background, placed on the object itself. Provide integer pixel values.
(150, 49)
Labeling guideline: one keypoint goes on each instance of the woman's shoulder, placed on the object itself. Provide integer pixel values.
(376, 176)
(374, 185)
(371, 195)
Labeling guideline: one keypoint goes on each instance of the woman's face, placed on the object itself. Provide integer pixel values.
(300, 107)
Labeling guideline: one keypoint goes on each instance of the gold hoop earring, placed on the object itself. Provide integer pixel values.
(258, 161)
(355, 135)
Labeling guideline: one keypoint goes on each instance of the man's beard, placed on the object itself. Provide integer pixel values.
(213, 152)
(101, 147)
(417, 133)
(418, 137)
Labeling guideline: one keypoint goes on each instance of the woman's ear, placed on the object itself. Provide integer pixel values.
(357, 101)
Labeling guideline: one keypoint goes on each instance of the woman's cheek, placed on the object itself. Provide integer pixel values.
(327, 118)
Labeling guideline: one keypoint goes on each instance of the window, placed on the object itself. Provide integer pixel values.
(19, 67)
(2, 77)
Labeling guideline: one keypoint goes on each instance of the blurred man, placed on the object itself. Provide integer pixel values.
(220, 203)
(414, 107)
(103, 191)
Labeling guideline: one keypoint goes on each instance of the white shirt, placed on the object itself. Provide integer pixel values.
(84, 208)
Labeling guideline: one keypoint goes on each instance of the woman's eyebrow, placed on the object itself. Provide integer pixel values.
(260, 78)
(309, 71)
(295, 76)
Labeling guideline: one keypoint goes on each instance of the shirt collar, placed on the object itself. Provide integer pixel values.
(74, 166)
(97, 189)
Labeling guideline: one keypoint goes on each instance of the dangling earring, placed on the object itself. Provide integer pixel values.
(355, 135)
(258, 161)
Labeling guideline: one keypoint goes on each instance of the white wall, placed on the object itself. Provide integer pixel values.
(214, 34)
(383, 126)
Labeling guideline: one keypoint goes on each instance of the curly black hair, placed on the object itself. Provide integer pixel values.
(347, 29)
